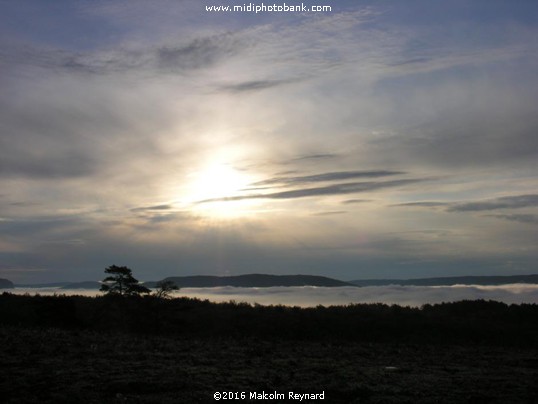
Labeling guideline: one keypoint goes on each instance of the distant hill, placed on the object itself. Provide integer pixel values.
(251, 281)
(448, 281)
(264, 281)
(6, 284)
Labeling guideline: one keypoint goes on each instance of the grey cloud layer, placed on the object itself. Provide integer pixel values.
(506, 202)
(503, 203)
(334, 189)
(152, 208)
(254, 85)
(332, 176)
(54, 165)
(424, 204)
(199, 53)
(520, 218)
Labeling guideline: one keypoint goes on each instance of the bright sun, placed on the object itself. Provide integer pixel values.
(209, 185)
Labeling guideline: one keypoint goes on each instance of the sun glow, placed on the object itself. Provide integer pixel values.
(213, 188)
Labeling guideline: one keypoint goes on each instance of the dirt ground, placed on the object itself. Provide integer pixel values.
(62, 366)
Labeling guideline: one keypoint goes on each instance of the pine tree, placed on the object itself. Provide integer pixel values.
(121, 282)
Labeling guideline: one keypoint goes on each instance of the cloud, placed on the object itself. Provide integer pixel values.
(309, 296)
(335, 189)
(31, 240)
(521, 218)
(341, 189)
(318, 156)
(413, 61)
(427, 204)
(64, 162)
(331, 213)
(175, 217)
(471, 123)
(352, 201)
(330, 176)
(255, 85)
(152, 208)
(199, 53)
(506, 202)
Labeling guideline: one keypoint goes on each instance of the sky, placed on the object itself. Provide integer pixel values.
(377, 139)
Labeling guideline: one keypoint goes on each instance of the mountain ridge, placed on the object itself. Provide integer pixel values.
(451, 280)
(266, 280)
(253, 281)
(6, 284)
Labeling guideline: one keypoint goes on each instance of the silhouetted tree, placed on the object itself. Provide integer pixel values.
(121, 282)
(164, 288)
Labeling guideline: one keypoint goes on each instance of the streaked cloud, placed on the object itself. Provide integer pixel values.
(353, 201)
(521, 218)
(317, 156)
(427, 204)
(331, 213)
(152, 208)
(202, 52)
(331, 176)
(255, 85)
(505, 202)
(57, 164)
(334, 189)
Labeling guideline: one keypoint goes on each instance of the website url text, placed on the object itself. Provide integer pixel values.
(269, 8)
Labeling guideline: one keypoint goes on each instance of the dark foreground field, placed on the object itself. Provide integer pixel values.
(61, 366)
(66, 362)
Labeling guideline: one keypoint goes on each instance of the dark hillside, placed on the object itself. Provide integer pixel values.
(254, 281)
(6, 284)
(468, 322)
(448, 281)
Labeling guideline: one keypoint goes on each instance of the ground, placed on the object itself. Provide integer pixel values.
(49, 365)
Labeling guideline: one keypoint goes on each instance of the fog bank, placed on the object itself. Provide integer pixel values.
(310, 296)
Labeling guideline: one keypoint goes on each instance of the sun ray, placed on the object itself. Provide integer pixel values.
(210, 185)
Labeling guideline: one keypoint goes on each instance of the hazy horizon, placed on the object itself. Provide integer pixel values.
(143, 281)
(312, 296)
(375, 140)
